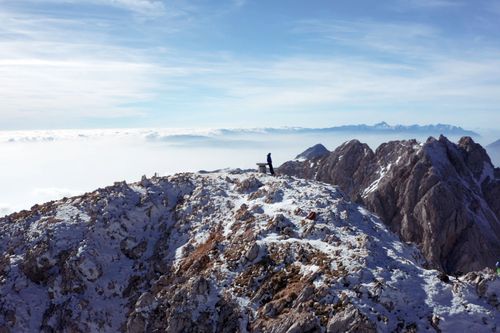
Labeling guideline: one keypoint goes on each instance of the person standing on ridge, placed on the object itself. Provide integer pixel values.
(270, 163)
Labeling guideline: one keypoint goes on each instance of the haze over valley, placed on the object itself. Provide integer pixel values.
(51, 164)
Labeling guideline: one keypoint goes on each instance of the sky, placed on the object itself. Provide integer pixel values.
(244, 63)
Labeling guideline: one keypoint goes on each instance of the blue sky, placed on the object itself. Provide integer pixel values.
(243, 63)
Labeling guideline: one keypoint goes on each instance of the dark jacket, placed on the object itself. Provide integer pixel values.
(269, 160)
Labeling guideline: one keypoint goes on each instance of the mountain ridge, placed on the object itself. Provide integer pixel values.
(230, 251)
(377, 128)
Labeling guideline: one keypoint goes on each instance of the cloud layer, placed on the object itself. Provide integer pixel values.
(38, 166)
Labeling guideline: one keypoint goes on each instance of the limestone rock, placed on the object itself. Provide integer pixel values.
(350, 320)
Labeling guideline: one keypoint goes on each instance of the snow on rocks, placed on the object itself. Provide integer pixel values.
(227, 252)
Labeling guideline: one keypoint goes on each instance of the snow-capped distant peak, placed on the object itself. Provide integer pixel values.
(382, 125)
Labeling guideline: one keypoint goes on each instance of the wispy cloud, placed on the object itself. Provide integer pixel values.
(414, 71)
(494, 7)
(48, 78)
(73, 88)
(54, 192)
(301, 82)
(156, 7)
(430, 4)
(143, 7)
(402, 38)
(79, 80)
(5, 209)
(239, 3)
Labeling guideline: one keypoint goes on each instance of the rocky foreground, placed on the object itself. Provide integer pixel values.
(225, 252)
(442, 196)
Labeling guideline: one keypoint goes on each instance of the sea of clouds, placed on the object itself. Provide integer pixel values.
(39, 166)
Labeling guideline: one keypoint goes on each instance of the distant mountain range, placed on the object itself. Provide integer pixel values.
(379, 128)
(493, 150)
(495, 145)
(200, 136)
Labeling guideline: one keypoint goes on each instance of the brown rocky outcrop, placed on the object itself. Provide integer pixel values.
(442, 196)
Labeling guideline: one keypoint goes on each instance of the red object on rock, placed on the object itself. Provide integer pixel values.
(311, 216)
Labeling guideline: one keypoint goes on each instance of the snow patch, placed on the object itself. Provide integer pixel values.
(374, 185)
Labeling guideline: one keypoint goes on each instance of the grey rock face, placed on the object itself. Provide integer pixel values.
(442, 196)
(313, 152)
(350, 320)
(345, 166)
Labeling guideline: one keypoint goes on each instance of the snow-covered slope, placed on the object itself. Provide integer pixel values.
(225, 252)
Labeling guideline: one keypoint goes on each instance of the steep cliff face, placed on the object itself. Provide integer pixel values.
(225, 252)
(444, 197)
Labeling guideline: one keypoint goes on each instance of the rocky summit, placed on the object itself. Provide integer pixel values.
(228, 252)
(315, 151)
(441, 196)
